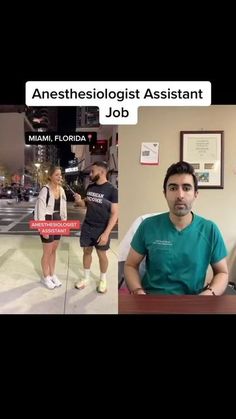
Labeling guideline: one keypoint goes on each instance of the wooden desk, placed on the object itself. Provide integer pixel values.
(172, 304)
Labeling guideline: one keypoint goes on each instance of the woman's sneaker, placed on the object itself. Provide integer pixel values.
(48, 283)
(56, 281)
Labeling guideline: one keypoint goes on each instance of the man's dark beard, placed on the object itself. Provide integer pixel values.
(94, 178)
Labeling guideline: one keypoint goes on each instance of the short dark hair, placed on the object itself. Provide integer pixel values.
(101, 164)
(178, 169)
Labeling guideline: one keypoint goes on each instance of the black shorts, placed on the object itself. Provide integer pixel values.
(56, 216)
(89, 236)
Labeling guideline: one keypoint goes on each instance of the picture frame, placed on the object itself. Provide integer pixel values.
(204, 150)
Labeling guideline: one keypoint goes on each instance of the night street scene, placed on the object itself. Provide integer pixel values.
(23, 172)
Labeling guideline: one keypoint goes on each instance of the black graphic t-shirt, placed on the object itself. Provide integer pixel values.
(99, 199)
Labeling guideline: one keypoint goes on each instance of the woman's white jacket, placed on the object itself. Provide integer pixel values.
(41, 208)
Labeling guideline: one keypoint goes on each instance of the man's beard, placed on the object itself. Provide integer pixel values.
(94, 178)
(181, 212)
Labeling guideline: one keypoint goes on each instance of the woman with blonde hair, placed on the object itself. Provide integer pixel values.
(51, 205)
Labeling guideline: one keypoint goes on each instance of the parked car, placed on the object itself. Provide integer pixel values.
(7, 192)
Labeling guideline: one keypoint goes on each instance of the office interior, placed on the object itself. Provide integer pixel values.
(141, 186)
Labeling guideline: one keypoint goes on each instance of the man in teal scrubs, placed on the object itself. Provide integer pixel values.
(178, 245)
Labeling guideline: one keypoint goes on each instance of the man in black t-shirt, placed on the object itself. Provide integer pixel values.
(101, 216)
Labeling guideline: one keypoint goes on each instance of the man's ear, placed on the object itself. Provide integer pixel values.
(196, 194)
(164, 193)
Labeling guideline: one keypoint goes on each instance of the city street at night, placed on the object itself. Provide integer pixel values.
(24, 169)
(21, 291)
(15, 217)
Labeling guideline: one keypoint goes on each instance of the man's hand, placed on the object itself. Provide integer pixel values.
(103, 239)
(77, 198)
(140, 292)
(206, 292)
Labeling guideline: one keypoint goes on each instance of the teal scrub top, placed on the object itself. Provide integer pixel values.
(177, 261)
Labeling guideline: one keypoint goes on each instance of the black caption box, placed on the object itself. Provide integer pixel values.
(60, 138)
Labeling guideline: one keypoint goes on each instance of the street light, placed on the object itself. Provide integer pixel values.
(37, 165)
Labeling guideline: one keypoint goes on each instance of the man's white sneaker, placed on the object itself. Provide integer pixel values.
(48, 283)
(81, 284)
(56, 281)
(102, 286)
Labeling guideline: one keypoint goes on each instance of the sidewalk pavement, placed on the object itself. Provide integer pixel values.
(20, 272)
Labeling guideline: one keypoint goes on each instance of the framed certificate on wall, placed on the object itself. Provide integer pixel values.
(204, 150)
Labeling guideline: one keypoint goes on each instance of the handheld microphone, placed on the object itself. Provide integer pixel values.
(70, 189)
